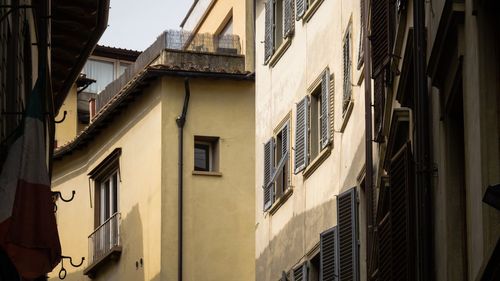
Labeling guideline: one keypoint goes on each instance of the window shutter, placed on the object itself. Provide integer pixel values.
(300, 273)
(268, 170)
(379, 102)
(347, 220)
(301, 8)
(402, 215)
(384, 248)
(329, 259)
(380, 33)
(285, 142)
(325, 98)
(331, 113)
(347, 71)
(301, 120)
(289, 19)
(269, 30)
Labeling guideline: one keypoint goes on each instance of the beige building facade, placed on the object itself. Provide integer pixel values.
(147, 208)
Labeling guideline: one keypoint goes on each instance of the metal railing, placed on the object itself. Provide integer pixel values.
(171, 40)
(104, 238)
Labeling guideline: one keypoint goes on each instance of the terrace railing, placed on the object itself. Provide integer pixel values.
(105, 239)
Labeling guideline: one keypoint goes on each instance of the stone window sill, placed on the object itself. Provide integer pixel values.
(323, 155)
(280, 201)
(280, 51)
(203, 173)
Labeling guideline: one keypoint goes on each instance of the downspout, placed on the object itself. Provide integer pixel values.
(368, 132)
(422, 147)
(181, 120)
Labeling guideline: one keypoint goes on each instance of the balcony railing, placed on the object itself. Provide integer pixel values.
(171, 40)
(105, 240)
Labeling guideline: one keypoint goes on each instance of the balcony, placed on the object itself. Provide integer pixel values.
(104, 245)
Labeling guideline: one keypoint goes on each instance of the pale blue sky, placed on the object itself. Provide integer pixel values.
(135, 24)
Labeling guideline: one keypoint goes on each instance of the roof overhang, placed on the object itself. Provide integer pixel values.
(77, 26)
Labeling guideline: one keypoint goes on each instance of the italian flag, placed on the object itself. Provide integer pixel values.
(28, 230)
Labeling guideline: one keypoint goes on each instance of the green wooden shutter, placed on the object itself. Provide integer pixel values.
(347, 220)
(300, 273)
(301, 119)
(301, 8)
(325, 99)
(269, 30)
(289, 18)
(268, 171)
(329, 255)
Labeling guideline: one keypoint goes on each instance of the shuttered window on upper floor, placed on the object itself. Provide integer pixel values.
(347, 71)
(279, 24)
(276, 166)
(314, 117)
(329, 261)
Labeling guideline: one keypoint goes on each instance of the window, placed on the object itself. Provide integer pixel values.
(314, 122)
(279, 24)
(314, 267)
(104, 241)
(224, 39)
(306, 8)
(104, 71)
(276, 165)
(347, 72)
(206, 154)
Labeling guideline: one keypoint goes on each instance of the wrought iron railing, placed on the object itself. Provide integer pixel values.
(105, 238)
(170, 40)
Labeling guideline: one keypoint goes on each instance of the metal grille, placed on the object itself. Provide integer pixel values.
(104, 238)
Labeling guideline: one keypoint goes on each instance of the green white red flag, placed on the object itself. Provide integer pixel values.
(28, 229)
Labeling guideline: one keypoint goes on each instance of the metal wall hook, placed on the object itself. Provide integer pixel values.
(58, 194)
(63, 118)
(63, 272)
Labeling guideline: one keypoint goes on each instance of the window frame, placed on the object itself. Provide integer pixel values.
(213, 144)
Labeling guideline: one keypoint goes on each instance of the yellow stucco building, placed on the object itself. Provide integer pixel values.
(179, 119)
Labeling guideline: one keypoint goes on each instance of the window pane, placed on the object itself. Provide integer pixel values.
(122, 68)
(101, 71)
(201, 157)
(115, 193)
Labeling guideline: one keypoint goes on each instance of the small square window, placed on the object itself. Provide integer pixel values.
(206, 158)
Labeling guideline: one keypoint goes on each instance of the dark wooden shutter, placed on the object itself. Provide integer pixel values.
(300, 273)
(269, 30)
(329, 255)
(347, 220)
(384, 248)
(379, 102)
(301, 8)
(268, 170)
(380, 35)
(301, 120)
(402, 215)
(325, 100)
(331, 113)
(289, 18)
(347, 71)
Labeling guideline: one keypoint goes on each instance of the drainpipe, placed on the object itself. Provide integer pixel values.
(368, 131)
(181, 120)
(422, 147)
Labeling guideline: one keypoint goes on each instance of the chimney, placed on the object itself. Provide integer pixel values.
(91, 109)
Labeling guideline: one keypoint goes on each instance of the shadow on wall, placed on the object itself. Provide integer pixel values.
(128, 267)
(298, 236)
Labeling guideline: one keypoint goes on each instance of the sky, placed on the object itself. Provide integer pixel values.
(135, 24)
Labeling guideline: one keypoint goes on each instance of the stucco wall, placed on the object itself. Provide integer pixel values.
(67, 130)
(284, 237)
(137, 132)
(218, 210)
